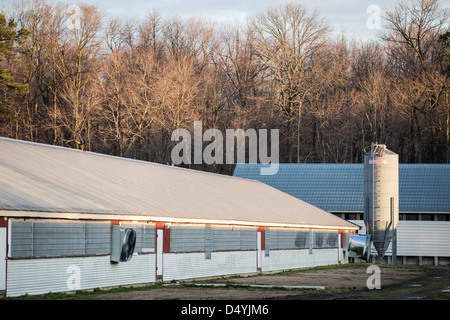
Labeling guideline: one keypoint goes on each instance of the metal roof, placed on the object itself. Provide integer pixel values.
(340, 187)
(48, 181)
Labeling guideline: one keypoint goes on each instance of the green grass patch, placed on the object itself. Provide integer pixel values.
(435, 285)
(442, 296)
(359, 266)
(85, 294)
(309, 291)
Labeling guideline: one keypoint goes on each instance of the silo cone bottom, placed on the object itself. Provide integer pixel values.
(382, 246)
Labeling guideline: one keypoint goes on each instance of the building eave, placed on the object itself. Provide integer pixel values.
(121, 217)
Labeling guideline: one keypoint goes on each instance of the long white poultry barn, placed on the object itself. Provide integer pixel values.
(73, 220)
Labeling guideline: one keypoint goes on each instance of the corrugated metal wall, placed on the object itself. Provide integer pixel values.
(323, 239)
(21, 235)
(234, 251)
(50, 238)
(38, 276)
(188, 238)
(145, 236)
(179, 266)
(419, 238)
(41, 262)
(424, 238)
(192, 238)
(97, 238)
(288, 239)
(301, 239)
(208, 242)
(292, 259)
(195, 251)
(234, 238)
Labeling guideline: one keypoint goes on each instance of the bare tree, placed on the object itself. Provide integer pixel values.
(121, 86)
(79, 62)
(413, 30)
(284, 38)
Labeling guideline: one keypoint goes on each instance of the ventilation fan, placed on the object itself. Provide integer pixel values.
(123, 241)
(358, 246)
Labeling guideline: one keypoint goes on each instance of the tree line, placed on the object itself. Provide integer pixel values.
(122, 86)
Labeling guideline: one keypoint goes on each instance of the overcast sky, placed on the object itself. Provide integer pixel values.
(349, 16)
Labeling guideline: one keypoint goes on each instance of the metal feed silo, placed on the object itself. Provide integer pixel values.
(381, 197)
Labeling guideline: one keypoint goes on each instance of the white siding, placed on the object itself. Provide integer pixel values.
(292, 259)
(420, 238)
(179, 266)
(424, 238)
(2, 259)
(38, 276)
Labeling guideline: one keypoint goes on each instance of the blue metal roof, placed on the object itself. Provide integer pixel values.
(340, 187)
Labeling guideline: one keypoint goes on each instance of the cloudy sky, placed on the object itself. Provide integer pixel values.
(349, 16)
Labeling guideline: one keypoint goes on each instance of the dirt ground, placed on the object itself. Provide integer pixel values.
(339, 283)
